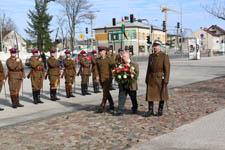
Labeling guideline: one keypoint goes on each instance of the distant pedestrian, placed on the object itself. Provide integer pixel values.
(157, 79)
(15, 77)
(131, 90)
(2, 78)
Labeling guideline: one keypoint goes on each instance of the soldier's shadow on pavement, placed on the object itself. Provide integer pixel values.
(5, 102)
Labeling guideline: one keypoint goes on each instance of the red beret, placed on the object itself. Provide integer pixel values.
(94, 51)
(82, 52)
(13, 50)
(34, 51)
(52, 51)
(102, 48)
(67, 52)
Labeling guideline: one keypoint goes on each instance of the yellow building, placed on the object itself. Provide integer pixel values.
(137, 32)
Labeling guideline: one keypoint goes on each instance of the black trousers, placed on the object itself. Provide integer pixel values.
(123, 96)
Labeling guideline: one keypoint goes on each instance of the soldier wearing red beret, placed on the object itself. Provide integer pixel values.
(85, 71)
(15, 77)
(53, 74)
(36, 75)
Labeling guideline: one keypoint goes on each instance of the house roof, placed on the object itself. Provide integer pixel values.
(128, 24)
(218, 28)
(210, 32)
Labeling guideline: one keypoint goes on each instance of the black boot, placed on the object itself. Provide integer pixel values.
(55, 97)
(39, 97)
(52, 95)
(86, 89)
(70, 91)
(160, 110)
(13, 99)
(18, 101)
(35, 97)
(67, 91)
(83, 89)
(150, 110)
(96, 88)
(1, 109)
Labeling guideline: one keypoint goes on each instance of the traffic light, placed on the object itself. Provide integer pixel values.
(178, 25)
(148, 40)
(164, 26)
(114, 21)
(131, 18)
(86, 30)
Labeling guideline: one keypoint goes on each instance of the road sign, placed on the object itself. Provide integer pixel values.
(81, 36)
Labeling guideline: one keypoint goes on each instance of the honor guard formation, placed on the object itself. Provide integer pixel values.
(104, 66)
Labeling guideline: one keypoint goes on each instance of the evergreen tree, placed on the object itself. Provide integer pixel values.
(39, 26)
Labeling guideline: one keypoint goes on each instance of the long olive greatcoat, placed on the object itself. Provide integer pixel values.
(157, 77)
(37, 73)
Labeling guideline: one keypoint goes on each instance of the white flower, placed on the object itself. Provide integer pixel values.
(120, 66)
(124, 76)
(119, 76)
(132, 68)
(132, 76)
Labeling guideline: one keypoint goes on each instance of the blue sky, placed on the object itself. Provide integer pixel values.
(194, 15)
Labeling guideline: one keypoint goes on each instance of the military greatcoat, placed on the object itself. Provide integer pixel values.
(157, 77)
(15, 75)
(37, 73)
(2, 75)
(53, 72)
(69, 71)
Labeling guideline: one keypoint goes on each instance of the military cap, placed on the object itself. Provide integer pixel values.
(101, 48)
(52, 51)
(34, 51)
(156, 43)
(94, 51)
(120, 50)
(82, 52)
(67, 52)
(12, 50)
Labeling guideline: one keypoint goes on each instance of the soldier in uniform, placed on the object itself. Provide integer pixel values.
(119, 57)
(2, 78)
(69, 73)
(94, 67)
(157, 79)
(36, 75)
(104, 74)
(53, 74)
(15, 77)
(85, 71)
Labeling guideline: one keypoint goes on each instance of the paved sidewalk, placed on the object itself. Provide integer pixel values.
(183, 72)
(207, 133)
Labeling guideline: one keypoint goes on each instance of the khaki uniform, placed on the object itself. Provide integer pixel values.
(104, 71)
(157, 77)
(36, 75)
(69, 73)
(2, 76)
(94, 79)
(53, 76)
(15, 78)
(53, 72)
(85, 71)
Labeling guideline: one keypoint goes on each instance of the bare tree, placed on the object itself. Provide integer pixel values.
(217, 9)
(63, 31)
(76, 12)
(7, 23)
